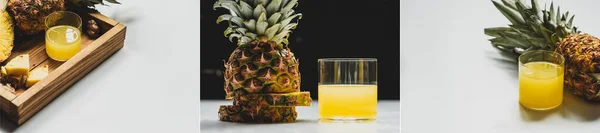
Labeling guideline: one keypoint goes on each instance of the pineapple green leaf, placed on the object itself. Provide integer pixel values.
(273, 7)
(258, 10)
(515, 39)
(261, 2)
(262, 17)
(552, 17)
(237, 20)
(571, 21)
(246, 10)
(232, 6)
(277, 38)
(250, 24)
(287, 14)
(274, 18)
(510, 14)
(234, 35)
(228, 31)
(290, 26)
(503, 42)
(536, 8)
(510, 4)
(521, 10)
(241, 30)
(272, 30)
(285, 41)
(289, 6)
(287, 20)
(261, 26)
(557, 19)
(113, 1)
(251, 35)
(520, 3)
(244, 40)
(495, 30)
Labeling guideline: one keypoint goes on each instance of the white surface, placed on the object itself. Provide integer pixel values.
(388, 114)
(452, 80)
(133, 91)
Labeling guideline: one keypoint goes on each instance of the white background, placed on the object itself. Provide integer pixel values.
(151, 85)
(452, 80)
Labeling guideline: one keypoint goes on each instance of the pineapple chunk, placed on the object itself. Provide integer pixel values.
(36, 75)
(19, 66)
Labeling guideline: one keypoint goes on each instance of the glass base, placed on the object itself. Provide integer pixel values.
(57, 59)
(540, 109)
(344, 120)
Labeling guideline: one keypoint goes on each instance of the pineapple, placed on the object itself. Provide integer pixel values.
(18, 66)
(7, 35)
(536, 29)
(266, 114)
(36, 75)
(278, 99)
(262, 61)
(30, 14)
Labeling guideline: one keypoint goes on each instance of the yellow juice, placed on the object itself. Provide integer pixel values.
(348, 102)
(62, 42)
(541, 85)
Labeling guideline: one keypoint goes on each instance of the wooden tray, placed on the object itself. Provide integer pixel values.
(20, 106)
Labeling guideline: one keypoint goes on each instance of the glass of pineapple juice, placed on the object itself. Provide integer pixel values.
(347, 89)
(63, 35)
(541, 79)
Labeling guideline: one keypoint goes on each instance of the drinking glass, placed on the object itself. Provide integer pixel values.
(541, 79)
(63, 35)
(347, 89)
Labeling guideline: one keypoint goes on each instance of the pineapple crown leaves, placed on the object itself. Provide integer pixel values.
(92, 3)
(264, 20)
(531, 28)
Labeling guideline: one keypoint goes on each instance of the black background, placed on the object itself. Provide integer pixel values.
(328, 28)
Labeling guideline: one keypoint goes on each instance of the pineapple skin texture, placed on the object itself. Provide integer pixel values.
(582, 58)
(272, 99)
(30, 15)
(261, 67)
(257, 114)
(7, 35)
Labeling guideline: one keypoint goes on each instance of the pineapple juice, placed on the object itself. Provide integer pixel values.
(348, 102)
(63, 42)
(541, 85)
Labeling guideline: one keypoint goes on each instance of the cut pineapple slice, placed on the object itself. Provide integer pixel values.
(7, 35)
(36, 75)
(18, 66)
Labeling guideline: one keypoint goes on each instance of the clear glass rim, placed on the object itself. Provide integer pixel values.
(561, 58)
(347, 59)
(64, 12)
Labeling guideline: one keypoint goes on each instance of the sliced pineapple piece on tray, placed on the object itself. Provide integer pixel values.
(36, 75)
(18, 66)
(259, 114)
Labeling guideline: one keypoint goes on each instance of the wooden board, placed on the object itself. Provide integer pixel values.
(21, 105)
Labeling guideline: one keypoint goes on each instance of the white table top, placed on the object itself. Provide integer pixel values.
(388, 121)
(452, 80)
(134, 91)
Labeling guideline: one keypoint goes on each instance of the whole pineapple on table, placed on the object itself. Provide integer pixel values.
(532, 28)
(262, 73)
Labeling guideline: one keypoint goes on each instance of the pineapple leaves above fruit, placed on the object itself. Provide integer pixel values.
(532, 28)
(92, 3)
(258, 19)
